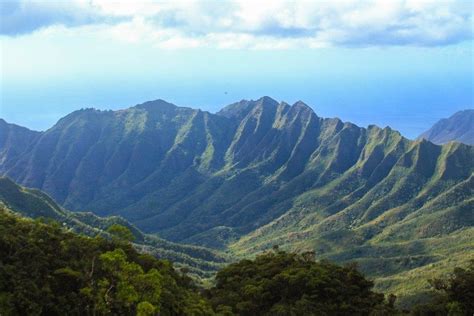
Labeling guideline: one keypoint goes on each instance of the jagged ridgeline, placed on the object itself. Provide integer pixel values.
(36, 204)
(256, 174)
(193, 176)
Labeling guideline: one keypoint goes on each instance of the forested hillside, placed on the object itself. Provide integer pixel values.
(32, 203)
(45, 270)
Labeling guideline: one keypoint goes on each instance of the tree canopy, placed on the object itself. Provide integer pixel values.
(280, 283)
(45, 270)
(454, 294)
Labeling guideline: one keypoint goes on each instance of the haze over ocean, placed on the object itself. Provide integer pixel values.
(112, 59)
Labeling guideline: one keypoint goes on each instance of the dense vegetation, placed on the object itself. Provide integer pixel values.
(258, 174)
(46, 270)
(35, 204)
(454, 295)
(280, 283)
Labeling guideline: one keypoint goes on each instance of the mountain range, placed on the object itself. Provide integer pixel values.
(258, 174)
(459, 127)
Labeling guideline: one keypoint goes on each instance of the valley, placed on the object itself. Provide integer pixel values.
(255, 175)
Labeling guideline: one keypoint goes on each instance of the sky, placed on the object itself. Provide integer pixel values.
(403, 64)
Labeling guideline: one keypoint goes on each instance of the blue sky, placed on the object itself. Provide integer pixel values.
(405, 64)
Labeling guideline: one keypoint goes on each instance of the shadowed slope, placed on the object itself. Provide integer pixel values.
(459, 127)
(34, 203)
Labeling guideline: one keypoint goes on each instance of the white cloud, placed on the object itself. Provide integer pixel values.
(257, 24)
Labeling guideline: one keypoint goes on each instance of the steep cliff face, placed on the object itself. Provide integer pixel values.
(209, 178)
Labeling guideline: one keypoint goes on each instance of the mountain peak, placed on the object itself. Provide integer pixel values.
(243, 107)
(267, 100)
(458, 127)
(85, 113)
(155, 104)
(301, 105)
(237, 109)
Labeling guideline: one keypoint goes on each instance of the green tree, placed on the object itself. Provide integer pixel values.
(145, 309)
(457, 291)
(45, 270)
(125, 285)
(454, 295)
(121, 232)
(280, 283)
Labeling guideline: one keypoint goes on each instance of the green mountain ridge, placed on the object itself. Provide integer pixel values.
(181, 172)
(147, 150)
(258, 174)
